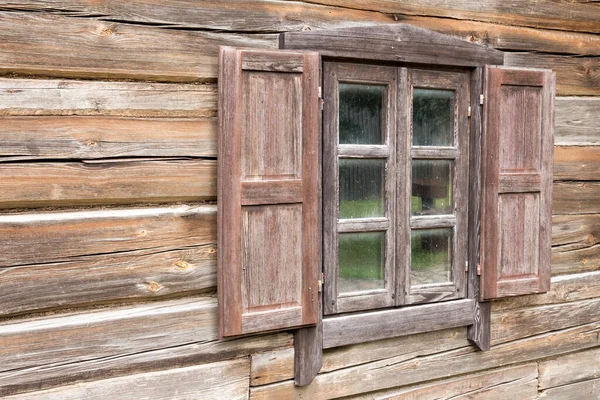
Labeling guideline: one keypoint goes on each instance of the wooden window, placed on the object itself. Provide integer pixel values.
(394, 186)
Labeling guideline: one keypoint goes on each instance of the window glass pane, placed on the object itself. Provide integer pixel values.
(431, 255)
(433, 117)
(431, 187)
(361, 113)
(361, 261)
(361, 188)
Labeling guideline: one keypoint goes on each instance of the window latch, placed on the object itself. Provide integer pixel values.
(469, 111)
(320, 282)
(481, 97)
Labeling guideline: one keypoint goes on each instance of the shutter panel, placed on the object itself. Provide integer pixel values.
(517, 173)
(267, 190)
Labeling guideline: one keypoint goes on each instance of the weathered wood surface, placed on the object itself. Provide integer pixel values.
(129, 99)
(199, 382)
(576, 241)
(139, 275)
(577, 163)
(586, 390)
(575, 76)
(576, 197)
(88, 137)
(577, 121)
(188, 354)
(543, 14)
(104, 333)
(517, 324)
(518, 382)
(32, 44)
(112, 182)
(62, 236)
(385, 374)
(569, 368)
(272, 366)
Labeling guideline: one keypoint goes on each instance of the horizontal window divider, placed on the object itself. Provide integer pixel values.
(430, 221)
(363, 225)
(376, 325)
(427, 152)
(363, 151)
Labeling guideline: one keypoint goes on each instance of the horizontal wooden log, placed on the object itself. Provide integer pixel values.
(44, 238)
(223, 380)
(33, 44)
(575, 76)
(576, 261)
(517, 324)
(238, 16)
(105, 333)
(128, 99)
(398, 322)
(576, 243)
(112, 182)
(577, 163)
(576, 197)
(139, 275)
(189, 354)
(272, 366)
(58, 137)
(518, 382)
(579, 390)
(563, 289)
(577, 121)
(582, 17)
(570, 368)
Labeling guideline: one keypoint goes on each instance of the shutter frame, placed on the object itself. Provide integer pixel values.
(267, 190)
(511, 183)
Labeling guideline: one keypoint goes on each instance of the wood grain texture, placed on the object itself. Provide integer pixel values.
(112, 182)
(588, 390)
(89, 137)
(202, 381)
(577, 163)
(105, 333)
(139, 275)
(576, 197)
(570, 368)
(518, 382)
(74, 97)
(576, 241)
(90, 48)
(386, 373)
(577, 121)
(181, 355)
(42, 238)
(308, 352)
(272, 366)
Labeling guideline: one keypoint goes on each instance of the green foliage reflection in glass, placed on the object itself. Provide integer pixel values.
(361, 188)
(361, 261)
(431, 187)
(361, 113)
(430, 259)
(433, 117)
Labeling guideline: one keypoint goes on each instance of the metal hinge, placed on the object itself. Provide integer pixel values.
(481, 97)
(466, 266)
(320, 92)
(478, 269)
(320, 282)
(469, 111)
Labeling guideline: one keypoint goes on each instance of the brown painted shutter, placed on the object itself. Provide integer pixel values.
(267, 190)
(517, 188)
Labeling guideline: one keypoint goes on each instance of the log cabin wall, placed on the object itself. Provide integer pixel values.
(108, 208)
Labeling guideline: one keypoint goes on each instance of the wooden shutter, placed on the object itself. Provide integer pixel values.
(267, 190)
(517, 188)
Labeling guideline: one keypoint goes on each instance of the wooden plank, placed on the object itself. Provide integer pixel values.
(577, 163)
(66, 137)
(125, 99)
(576, 197)
(139, 275)
(61, 236)
(386, 373)
(576, 241)
(576, 260)
(104, 333)
(396, 322)
(577, 121)
(518, 382)
(112, 182)
(586, 390)
(542, 14)
(569, 368)
(308, 352)
(272, 366)
(182, 355)
(86, 47)
(201, 381)
(575, 76)
(517, 324)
